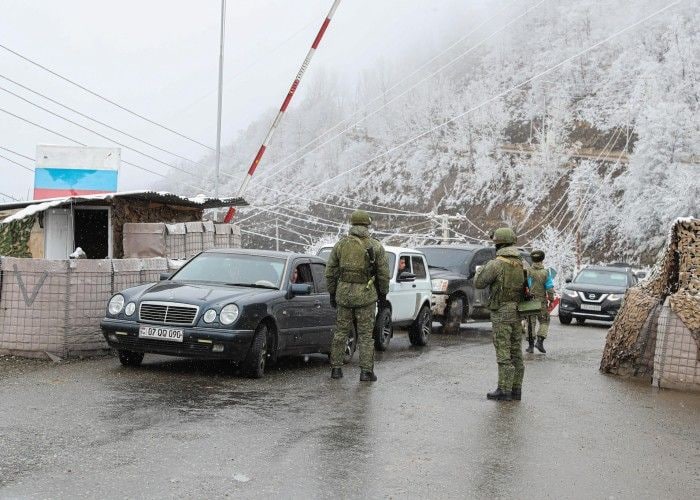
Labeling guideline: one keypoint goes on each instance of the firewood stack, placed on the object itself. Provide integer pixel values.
(677, 275)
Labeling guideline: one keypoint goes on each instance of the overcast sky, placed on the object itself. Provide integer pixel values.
(160, 58)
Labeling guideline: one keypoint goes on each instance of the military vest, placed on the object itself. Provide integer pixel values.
(539, 278)
(509, 285)
(354, 261)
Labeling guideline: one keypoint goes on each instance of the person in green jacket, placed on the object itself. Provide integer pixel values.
(357, 274)
(542, 289)
(504, 276)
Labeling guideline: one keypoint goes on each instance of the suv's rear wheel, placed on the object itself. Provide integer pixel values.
(453, 315)
(565, 319)
(420, 330)
(130, 358)
(383, 329)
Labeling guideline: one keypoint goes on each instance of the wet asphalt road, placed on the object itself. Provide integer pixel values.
(177, 428)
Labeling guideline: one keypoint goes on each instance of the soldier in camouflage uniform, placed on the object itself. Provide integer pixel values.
(355, 290)
(542, 289)
(504, 276)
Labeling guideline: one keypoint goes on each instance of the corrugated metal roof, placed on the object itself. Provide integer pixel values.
(32, 207)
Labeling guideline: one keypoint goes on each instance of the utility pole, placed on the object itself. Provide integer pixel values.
(221, 84)
(445, 229)
(277, 234)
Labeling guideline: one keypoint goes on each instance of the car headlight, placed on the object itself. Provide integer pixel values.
(228, 314)
(614, 296)
(129, 309)
(209, 316)
(570, 293)
(439, 285)
(116, 304)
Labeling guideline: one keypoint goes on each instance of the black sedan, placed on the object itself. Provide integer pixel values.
(247, 306)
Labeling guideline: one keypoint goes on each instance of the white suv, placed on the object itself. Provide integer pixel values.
(409, 297)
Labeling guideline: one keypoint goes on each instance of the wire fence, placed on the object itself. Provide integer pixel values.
(55, 306)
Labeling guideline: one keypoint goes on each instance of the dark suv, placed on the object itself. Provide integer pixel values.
(596, 293)
(452, 269)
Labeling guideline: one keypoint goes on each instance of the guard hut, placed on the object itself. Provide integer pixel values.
(54, 228)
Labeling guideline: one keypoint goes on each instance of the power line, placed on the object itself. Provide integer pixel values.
(98, 133)
(16, 163)
(18, 154)
(99, 96)
(273, 238)
(497, 96)
(96, 120)
(82, 144)
(9, 197)
(276, 172)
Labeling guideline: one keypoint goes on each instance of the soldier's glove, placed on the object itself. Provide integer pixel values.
(334, 304)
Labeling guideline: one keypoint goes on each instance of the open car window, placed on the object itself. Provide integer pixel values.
(319, 274)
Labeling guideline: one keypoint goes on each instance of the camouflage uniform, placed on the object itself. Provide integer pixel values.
(504, 275)
(349, 279)
(539, 277)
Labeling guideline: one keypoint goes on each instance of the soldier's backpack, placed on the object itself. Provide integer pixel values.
(354, 261)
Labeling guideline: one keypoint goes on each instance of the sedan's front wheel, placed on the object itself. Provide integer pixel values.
(130, 358)
(254, 363)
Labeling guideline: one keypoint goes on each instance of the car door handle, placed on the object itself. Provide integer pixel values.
(413, 286)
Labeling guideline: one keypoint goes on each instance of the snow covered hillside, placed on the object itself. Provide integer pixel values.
(557, 116)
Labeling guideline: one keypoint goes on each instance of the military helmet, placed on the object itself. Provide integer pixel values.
(503, 236)
(537, 255)
(360, 218)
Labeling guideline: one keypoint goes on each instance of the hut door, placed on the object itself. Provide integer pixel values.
(58, 233)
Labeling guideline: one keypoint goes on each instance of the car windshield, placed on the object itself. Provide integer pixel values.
(324, 253)
(448, 258)
(233, 269)
(604, 278)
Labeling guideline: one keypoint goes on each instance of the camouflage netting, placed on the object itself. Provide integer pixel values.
(14, 237)
(630, 344)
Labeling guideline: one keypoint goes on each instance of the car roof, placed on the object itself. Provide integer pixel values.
(607, 268)
(387, 248)
(263, 253)
(461, 246)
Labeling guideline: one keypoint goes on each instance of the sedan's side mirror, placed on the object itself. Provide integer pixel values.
(165, 276)
(406, 276)
(299, 289)
(568, 280)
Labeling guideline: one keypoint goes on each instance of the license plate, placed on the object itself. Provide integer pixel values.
(161, 333)
(590, 307)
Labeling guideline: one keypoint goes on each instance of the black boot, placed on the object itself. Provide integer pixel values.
(367, 376)
(499, 395)
(540, 344)
(336, 373)
(517, 393)
(530, 346)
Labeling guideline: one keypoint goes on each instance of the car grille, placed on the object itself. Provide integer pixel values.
(592, 296)
(168, 314)
(154, 345)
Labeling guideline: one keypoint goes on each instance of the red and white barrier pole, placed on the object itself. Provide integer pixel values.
(232, 210)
